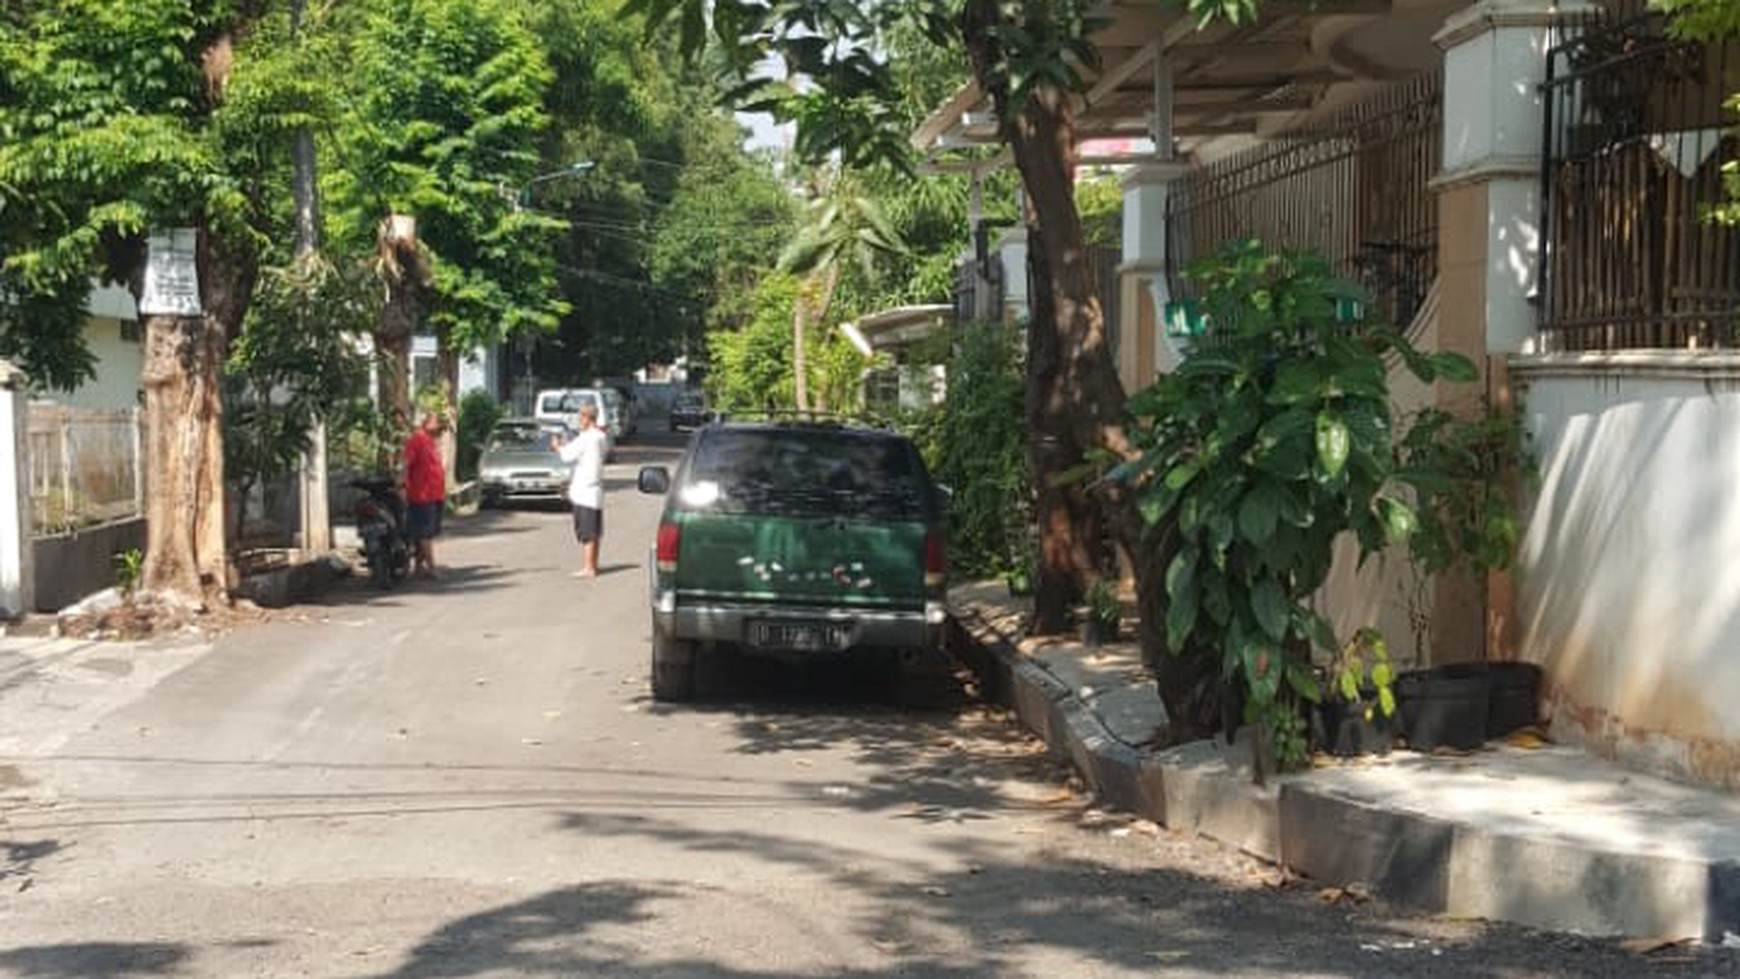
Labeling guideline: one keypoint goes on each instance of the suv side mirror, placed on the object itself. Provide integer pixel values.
(945, 497)
(655, 480)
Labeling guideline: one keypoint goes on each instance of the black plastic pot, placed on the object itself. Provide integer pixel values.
(1341, 729)
(1515, 698)
(1096, 631)
(1444, 707)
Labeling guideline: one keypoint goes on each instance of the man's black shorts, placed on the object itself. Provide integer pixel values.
(588, 523)
(423, 521)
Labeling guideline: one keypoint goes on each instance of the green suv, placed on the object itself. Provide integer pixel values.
(796, 539)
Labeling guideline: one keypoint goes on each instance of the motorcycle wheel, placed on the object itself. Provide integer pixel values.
(401, 563)
(380, 565)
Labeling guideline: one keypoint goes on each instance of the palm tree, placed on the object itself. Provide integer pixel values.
(841, 225)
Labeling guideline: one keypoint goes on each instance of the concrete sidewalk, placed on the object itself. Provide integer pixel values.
(1544, 836)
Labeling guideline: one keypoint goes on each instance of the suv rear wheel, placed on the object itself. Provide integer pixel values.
(673, 668)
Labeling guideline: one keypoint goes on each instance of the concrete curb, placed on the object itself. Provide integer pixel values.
(1413, 858)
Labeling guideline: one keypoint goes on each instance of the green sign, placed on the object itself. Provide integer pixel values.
(1185, 318)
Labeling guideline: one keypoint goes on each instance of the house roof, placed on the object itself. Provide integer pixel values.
(901, 325)
(1301, 58)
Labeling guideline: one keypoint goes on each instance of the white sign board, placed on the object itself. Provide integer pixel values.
(171, 282)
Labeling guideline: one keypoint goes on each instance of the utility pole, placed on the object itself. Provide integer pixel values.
(312, 495)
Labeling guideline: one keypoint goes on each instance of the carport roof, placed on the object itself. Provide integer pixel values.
(902, 324)
(1253, 80)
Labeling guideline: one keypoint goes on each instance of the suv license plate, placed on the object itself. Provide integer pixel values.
(805, 636)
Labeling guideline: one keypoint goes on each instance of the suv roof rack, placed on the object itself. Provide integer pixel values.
(791, 416)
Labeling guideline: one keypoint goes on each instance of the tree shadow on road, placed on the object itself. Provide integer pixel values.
(22, 857)
(95, 960)
(995, 914)
(358, 590)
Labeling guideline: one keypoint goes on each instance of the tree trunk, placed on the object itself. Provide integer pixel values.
(405, 273)
(1075, 400)
(304, 182)
(305, 191)
(827, 282)
(1070, 528)
(187, 561)
(800, 368)
(181, 406)
(447, 371)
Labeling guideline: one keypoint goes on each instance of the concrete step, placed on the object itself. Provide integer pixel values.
(1546, 836)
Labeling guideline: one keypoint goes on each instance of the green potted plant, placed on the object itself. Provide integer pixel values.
(1271, 440)
(1357, 711)
(1467, 523)
(1102, 613)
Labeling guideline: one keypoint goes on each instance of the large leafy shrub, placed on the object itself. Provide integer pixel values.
(980, 448)
(1272, 438)
(478, 413)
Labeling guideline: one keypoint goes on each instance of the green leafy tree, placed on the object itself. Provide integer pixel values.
(841, 226)
(751, 368)
(111, 117)
(294, 366)
(660, 145)
(981, 457)
(446, 109)
(478, 414)
(1027, 57)
(724, 229)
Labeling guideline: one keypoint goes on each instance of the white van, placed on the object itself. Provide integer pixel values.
(562, 406)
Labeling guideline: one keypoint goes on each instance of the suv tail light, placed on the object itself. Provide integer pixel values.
(936, 560)
(669, 543)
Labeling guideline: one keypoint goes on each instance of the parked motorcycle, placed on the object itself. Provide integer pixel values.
(380, 522)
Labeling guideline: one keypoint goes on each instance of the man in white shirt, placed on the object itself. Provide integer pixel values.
(585, 451)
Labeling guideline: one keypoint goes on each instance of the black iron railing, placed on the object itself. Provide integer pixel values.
(1636, 139)
(1354, 187)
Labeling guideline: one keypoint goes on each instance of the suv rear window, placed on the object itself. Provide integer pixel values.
(575, 399)
(803, 472)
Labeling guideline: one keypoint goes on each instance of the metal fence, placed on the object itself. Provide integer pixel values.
(1353, 188)
(1636, 139)
(967, 287)
(84, 467)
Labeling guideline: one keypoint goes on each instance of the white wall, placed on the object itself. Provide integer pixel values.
(1629, 570)
(118, 364)
(1387, 592)
(477, 371)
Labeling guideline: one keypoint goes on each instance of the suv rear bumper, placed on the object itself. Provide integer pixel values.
(871, 628)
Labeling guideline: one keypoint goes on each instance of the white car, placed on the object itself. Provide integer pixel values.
(562, 406)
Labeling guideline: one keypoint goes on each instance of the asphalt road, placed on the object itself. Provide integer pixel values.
(467, 779)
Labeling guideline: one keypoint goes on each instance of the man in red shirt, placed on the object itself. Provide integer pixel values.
(425, 491)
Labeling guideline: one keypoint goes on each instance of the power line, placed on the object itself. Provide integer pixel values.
(625, 282)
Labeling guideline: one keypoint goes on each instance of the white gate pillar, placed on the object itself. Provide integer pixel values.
(1495, 59)
(1012, 252)
(312, 496)
(1143, 350)
(17, 585)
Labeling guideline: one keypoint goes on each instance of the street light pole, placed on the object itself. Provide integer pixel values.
(519, 198)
